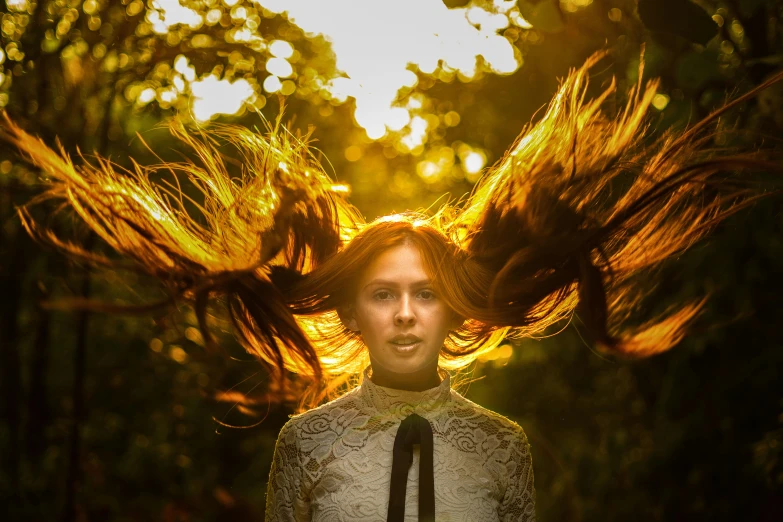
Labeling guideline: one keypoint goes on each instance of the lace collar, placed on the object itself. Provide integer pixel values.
(403, 402)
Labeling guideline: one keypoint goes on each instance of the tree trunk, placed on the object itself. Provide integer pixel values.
(73, 477)
(38, 410)
(14, 248)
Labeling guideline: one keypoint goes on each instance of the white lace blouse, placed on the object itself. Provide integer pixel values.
(333, 463)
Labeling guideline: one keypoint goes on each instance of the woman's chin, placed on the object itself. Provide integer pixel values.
(405, 363)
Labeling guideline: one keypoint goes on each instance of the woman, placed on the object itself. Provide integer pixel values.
(349, 459)
(573, 220)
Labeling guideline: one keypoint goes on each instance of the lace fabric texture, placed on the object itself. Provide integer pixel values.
(333, 463)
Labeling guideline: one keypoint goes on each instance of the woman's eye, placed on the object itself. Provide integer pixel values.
(383, 295)
(427, 294)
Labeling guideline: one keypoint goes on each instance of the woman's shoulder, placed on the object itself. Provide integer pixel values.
(488, 420)
(338, 407)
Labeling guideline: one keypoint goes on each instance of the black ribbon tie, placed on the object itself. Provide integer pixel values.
(413, 430)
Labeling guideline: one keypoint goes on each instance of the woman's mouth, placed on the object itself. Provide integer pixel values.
(405, 347)
(404, 344)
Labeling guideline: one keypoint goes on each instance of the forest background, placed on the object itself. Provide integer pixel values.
(127, 418)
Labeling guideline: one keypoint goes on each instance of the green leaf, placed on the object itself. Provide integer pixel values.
(544, 15)
(696, 69)
(678, 17)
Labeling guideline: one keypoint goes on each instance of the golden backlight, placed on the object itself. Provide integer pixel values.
(379, 46)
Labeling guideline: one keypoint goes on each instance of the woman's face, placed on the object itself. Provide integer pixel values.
(401, 319)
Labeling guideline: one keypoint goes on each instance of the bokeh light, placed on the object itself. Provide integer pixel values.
(474, 162)
(213, 96)
(165, 14)
(220, 56)
(281, 49)
(17, 5)
(379, 47)
(573, 6)
(660, 101)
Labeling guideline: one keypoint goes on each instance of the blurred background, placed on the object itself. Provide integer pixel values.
(126, 418)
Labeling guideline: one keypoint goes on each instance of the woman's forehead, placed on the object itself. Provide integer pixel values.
(401, 265)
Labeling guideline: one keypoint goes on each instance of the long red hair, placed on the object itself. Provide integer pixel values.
(577, 211)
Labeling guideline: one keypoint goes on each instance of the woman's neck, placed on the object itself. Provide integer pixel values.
(418, 381)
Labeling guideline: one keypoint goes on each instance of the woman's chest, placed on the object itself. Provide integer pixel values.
(355, 484)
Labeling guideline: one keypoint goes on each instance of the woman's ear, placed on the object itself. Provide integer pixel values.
(348, 318)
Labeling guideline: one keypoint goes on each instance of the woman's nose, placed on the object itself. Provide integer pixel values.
(405, 314)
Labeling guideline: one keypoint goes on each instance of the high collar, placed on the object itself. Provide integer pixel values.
(403, 402)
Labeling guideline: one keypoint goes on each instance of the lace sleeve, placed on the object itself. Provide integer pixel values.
(286, 500)
(519, 501)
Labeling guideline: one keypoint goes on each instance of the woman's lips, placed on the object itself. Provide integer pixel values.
(405, 347)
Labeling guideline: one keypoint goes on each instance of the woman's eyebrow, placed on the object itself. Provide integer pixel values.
(396, 284)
